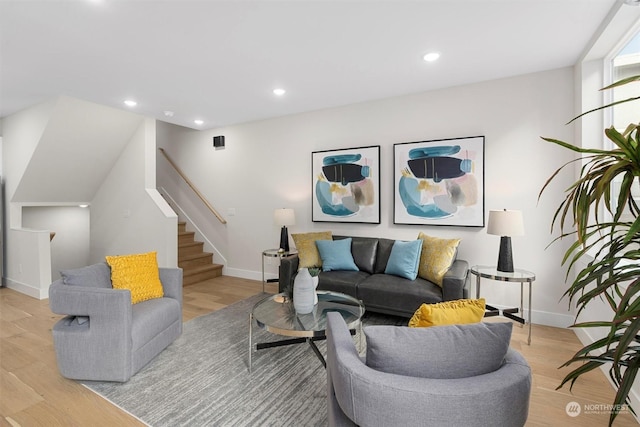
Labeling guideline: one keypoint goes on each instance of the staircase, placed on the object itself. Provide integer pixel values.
(196, 264)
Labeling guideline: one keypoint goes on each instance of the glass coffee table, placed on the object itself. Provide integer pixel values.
(276, 314)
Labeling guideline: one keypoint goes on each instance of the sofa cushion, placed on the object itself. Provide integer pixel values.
(446, 352)
(382, 256)
(345, 282)
(364, 251)
(436, 257)
(151, 317)
(336, 255)
(396, 295)
(137, 272)
(404, 259)
(93, 276)
(449, 313)
(307, 249)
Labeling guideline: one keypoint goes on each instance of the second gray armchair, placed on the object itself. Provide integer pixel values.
(426, 383)
(104, 337)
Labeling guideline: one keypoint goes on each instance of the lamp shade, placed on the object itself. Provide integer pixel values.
(505, 223)
(284, 217)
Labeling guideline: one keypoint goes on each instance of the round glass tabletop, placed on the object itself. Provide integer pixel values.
(277, 253)
(276, 314)
(491, 272)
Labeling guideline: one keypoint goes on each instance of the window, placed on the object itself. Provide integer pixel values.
(626, 64)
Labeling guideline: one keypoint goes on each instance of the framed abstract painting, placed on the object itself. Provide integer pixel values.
(346, 185)
(439, 182)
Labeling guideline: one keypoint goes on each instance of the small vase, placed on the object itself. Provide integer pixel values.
(303, 292)
(316, 279)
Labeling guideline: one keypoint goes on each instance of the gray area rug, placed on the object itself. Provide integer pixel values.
(202, 379)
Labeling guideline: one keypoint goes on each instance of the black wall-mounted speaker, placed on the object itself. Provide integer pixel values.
(218, 141)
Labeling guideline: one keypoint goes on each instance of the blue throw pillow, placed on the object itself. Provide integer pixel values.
(336, 255)
(404, 259)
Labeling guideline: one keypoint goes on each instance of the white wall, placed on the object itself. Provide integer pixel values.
(70, 246)
(28, 259)
(127, 213)
(266, 165)
(29, 262)
(21, 133)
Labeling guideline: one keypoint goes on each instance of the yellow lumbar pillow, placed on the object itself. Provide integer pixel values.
(308, 254)
(436, 257)
(449, 313)
(139, 273)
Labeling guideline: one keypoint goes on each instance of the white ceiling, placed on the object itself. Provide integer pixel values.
(220, 60)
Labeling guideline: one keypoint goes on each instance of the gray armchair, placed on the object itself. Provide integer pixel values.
(104, 337)
(361, 395)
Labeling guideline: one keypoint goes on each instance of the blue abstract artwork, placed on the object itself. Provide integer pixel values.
(440, 182)
(346, 185)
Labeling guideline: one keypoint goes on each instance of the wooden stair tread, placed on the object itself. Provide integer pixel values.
(195, 269)
(189, 244)
(199, 274)
(191, 257)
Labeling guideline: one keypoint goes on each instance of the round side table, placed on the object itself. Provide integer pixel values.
(518, 276)
(273, 253)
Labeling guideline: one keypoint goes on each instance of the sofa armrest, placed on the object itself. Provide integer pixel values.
(287, 272)
(102, 305)
(171, 279)
(455, 284)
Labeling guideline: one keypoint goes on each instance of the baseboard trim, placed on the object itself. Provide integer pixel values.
(23, 288)
(246, 274)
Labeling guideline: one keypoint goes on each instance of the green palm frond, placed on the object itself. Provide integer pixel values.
(612, 248)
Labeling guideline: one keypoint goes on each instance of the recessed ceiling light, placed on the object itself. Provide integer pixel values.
(431, 56)
(198, 122)
(83, 206)
(130, 103)
(279, 92)
(168, 113)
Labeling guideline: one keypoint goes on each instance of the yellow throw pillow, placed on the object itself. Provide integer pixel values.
(455, 312)
(436, 257)
(139, 273)
(308, 254)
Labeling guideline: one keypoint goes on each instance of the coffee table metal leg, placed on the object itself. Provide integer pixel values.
(250, 334)
(314, 347)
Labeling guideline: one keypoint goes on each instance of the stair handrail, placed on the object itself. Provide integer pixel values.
(193, 187)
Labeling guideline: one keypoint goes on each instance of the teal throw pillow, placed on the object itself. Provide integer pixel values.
(336, 255)
(404, 259)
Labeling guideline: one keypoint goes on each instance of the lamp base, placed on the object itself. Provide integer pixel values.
(284, 239)
(505, 257)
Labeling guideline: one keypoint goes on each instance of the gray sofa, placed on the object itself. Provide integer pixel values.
(383, 293)
(485, 383)
(103, 337)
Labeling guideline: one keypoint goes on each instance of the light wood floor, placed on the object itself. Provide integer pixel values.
(32, 392)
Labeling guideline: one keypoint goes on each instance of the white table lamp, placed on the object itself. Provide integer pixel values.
(284, 217)
(505, 223)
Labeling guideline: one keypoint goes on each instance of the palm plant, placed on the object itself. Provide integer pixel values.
(613, 274)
